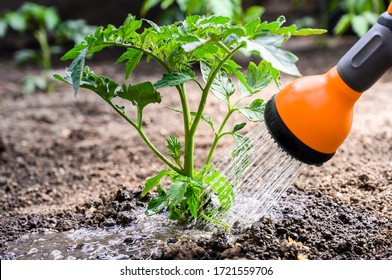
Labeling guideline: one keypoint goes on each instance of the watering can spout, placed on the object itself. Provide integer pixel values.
(312, 116)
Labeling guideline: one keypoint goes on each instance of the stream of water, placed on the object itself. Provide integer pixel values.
(260, 173)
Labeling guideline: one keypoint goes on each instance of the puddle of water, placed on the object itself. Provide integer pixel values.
(139, 240)
(267, 173)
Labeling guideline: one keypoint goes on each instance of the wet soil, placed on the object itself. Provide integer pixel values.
(68, 163)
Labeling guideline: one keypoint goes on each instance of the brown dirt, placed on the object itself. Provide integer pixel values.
(61, 156)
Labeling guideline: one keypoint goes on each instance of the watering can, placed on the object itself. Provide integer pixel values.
(312, 116)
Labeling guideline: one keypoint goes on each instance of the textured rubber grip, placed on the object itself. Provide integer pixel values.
(370, 57)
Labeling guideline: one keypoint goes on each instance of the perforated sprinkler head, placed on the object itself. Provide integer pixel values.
(312, 116)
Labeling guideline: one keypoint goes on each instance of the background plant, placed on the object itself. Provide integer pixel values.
(178, 9)
(207, 43)
(359, 15)
(48, 31)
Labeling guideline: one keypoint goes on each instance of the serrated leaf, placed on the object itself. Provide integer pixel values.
(215, 19)
(103, 86)
(251, 26)
(257, 78)
(238, 127)
(243, 147)
(268, 47)
(193, 200)
(176, 193)
(174, 79)
(153, 181)
(75, 70)
(157, 204)
(223, 188)
(74, 52)
(222, 86)
(141, 94)
(133, 57)
(254, 111)
(174, 146)
(231, 66)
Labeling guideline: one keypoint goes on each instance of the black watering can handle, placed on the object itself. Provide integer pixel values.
(370, 57)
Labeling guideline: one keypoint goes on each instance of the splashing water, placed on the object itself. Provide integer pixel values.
(260, 172)
(267, 172)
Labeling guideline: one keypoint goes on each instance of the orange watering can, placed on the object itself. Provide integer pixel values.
(312, 116)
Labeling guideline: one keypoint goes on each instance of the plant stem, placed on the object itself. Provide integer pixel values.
(207, 88)
(203, 101)
(189, 139)
(42, 38)
(218, 136)
(145, 138)
(211, 220)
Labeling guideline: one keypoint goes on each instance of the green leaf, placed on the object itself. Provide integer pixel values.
(74, 52)
(251, 26)
(189, 47)
(174, 146)
(166, 4)
(360, 25)
(50, 18)
(223, 188)
(268, 47)
(342, 25)
(3, 28)
(223, 8)
(23, 56)
(75, 70)
(193, 196)
(254, 111)
(157, 204)
(32, 83)
(16, 21)
(147, 5)
(222, 86)
(176, 193)
(370, 17)
(309, 31)
(153, 181)
(133, 57)
(219, 19)
(238, 127)
(253, 12)
(141, 94)
(175, 78)
(257, 78)
(243, 147)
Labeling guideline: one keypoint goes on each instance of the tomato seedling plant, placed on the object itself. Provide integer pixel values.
(207, 43)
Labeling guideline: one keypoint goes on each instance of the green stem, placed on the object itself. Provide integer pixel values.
(42, 38)
(189, 139)
(211, 220)
(207, 88)
(218, 136)
(145, 138)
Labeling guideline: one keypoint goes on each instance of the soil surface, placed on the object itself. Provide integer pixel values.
(67, 163)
